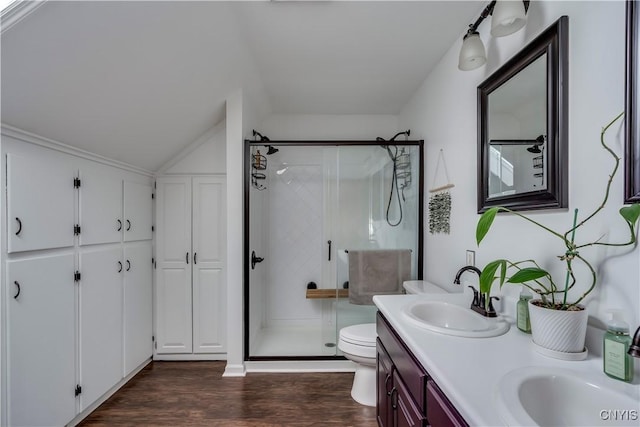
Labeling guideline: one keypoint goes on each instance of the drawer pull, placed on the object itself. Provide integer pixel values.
(128, 265)
(128, 225)
(120, 264)
(19, 226)
(17, 293)
(119, 225)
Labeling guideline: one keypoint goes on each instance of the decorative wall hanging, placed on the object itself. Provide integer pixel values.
(440, 201)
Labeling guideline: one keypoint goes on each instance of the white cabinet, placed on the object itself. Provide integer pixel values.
(190, 275)
(41, 341)
(138, 207)
(101, 313)
(100, 205)
(40, 202)
(138, 305)
(78, 312)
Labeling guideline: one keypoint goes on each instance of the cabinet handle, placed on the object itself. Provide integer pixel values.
(128, 265)
(120, 264)
(195, 257)
(119, 225)
(394, 398)
(128, 225)
(17, 293)
(187, 258)
(19, 226)
(329, 243)
(386, 384)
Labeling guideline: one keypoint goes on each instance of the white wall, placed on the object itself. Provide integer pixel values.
(443, 112)
(207, 155)
(328, 127)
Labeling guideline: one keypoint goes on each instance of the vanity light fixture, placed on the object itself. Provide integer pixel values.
(508, 16)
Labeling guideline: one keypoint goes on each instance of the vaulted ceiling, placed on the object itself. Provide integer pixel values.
(139, 81)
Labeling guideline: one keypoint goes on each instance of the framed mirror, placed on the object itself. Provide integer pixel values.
(632, 112)
(523, 128)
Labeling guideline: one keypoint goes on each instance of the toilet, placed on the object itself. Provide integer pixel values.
(358, 343)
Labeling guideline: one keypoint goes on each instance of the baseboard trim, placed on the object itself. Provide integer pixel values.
(235, 370)
(292, 366)
(189, 357)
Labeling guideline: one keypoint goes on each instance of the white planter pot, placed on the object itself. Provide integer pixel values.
(558, 330)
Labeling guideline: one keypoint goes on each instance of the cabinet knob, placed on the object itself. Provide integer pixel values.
(19, 226)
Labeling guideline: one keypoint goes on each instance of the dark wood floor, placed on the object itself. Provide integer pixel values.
(195, 394)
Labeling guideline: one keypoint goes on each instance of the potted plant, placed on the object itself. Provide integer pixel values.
(552, 315)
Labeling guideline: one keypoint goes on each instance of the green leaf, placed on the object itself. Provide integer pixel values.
(484, 223)
(631, 213)
(489, 274)
(527, 274)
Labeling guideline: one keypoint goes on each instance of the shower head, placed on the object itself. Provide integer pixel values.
(271, 149)
(535, 149)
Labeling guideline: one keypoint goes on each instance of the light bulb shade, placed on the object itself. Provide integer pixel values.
(508, 17)
(472, 54)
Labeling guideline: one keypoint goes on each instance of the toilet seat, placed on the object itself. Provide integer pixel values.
(363, 335)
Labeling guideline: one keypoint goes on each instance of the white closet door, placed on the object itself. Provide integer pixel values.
(101, 314)
(138, 330)
(173, 272)
(209, 275)
(40, 202)
(138, 211)
(100, 204)
(41, 341)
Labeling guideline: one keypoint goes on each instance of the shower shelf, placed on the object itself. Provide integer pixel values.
(327, 293)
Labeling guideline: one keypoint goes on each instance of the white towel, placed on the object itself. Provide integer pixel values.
(377, 272)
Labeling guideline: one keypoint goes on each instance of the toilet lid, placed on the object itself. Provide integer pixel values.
(364, 335)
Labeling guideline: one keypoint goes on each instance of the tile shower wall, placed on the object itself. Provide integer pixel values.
(295, 241)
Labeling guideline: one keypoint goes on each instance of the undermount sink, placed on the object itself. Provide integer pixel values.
(453, 319)
(562, 397)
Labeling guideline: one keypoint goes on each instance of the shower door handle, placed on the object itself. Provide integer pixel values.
(255, 259)
(329, 243)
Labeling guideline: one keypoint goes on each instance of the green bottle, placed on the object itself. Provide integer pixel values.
(522, 309)
(617, 363)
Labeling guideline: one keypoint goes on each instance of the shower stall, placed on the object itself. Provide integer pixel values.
(307, 203)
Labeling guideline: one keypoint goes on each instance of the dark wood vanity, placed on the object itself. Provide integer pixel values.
(406, 395)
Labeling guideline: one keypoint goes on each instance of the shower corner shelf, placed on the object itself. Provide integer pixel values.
(327, 293)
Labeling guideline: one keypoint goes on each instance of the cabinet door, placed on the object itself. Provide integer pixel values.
(173, 272)
(440, 412)
(100, 322)
(209, 248)
(407, 413)
(40, 202)
(100, 205)
(384, 383)
(41, 341)
(137, 305)
(138, 210)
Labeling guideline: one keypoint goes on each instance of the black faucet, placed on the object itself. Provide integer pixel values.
(479, 299)
(634, 348)
(466, 268)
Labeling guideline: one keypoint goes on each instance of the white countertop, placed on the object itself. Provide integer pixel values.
(469, 369)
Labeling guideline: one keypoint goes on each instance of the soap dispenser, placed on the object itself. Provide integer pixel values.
(522, 309)
(616, 362)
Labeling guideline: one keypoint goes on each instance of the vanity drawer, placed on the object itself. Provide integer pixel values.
(412, 374)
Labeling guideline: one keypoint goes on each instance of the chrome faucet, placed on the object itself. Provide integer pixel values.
(479, 299)
(634, 348)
